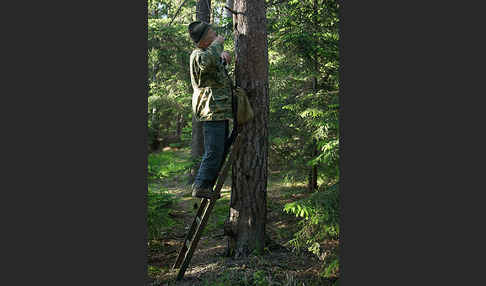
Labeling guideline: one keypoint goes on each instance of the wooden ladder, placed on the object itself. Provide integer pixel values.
(199, 222)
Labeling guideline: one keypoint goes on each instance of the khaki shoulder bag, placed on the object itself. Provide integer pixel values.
(243, 107)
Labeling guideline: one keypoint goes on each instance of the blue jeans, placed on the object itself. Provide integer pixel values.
(215, 145)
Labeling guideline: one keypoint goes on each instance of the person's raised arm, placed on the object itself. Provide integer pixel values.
(212, 55)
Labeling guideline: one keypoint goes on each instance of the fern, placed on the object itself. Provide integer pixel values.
(320, 222)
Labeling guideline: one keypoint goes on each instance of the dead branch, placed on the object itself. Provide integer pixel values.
(234, 12)
(177, 12)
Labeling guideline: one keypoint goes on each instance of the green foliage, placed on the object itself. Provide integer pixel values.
(332, 267)
(153, 271)
(160, 166)
(304, 84)
(158, 203)
(165, 164)
(320, 213)
(320, 208)
(304, 115)
(170, 91)
(166, 9)
(259, 278)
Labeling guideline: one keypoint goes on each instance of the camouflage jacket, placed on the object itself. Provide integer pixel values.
(211, 99)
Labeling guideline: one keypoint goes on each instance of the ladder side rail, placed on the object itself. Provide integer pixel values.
(190, 234)
(195, 240)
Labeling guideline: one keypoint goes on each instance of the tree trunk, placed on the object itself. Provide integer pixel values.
(203, 9)
(180, 125)
(312, 182)
(246, 225)
(155, 139)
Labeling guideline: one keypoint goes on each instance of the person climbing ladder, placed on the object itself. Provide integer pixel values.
(211, 103)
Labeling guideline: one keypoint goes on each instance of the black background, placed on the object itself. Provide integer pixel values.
(74, 155)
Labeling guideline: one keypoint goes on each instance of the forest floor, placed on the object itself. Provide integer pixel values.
(208, 266)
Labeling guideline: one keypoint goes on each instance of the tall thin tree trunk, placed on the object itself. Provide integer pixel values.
(246, 225)
(179, 125)
(312, 183)
(203, 9)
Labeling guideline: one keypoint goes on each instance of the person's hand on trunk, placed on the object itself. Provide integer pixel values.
(226, 56)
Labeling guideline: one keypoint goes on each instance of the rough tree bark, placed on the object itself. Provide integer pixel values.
(246, 225)
(203, 10)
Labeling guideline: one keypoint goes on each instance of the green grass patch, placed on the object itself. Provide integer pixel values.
(154, 271)
(158, 206)
(166, 164)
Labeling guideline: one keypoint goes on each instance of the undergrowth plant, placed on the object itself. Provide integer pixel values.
(161, 166)
(320, 213)
(165, 164)
(158, 219)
